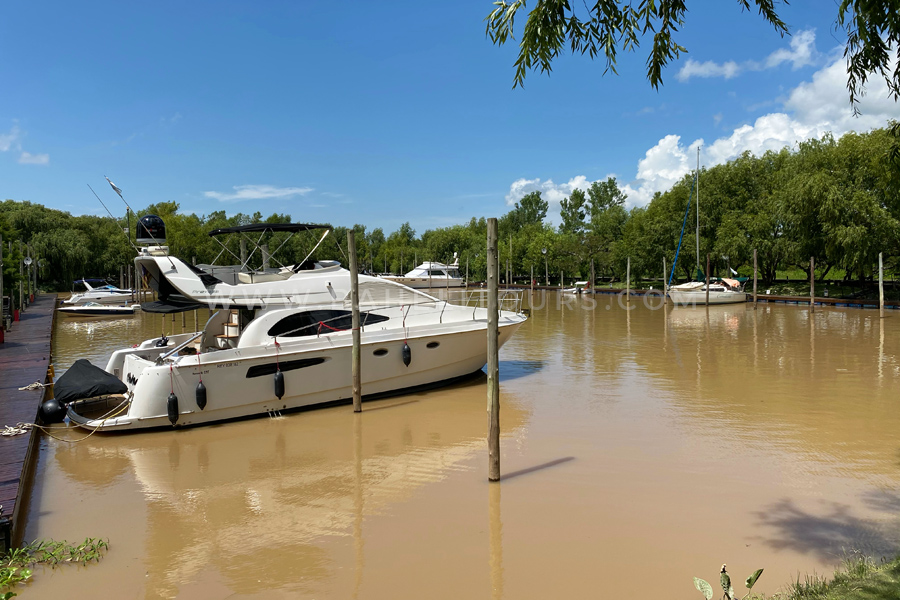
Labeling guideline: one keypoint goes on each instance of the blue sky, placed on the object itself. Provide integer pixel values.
(380, 113)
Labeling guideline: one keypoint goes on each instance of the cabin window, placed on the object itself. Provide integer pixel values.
(380, 352)
(433, 344)
(437, 273)
(315, 322)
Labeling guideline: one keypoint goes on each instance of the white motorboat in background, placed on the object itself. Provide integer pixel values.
(101, 294)
(284, 343)
(579, 288)
(95, 309)
(431, 275)
(721, 291)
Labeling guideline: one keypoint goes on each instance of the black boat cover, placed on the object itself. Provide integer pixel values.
(257, 227)
(84, 380)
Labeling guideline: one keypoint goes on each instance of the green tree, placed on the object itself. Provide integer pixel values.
(605, 28)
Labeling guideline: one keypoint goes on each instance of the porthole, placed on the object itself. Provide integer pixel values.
(433, 344)
(380, 352)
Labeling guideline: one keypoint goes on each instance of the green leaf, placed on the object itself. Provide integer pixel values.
(725, 581)
(704, 588)
(751, 581)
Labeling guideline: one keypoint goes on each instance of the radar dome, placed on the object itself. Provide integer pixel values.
(151, 231)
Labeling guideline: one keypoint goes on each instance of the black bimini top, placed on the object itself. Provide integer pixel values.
(257, 227)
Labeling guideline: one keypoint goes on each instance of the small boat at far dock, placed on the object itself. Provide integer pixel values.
(101, 294)
(431, 275)
(721, 291)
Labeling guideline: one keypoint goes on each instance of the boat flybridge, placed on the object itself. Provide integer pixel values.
(280, 340)
(431, 275)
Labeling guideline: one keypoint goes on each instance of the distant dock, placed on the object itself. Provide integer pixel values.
(801, 300)
(24, 359)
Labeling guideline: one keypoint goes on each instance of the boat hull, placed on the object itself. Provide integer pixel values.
(109, 311)
(239, 384)
(694, 297)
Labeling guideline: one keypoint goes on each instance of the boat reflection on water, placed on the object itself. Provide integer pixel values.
(270, 504)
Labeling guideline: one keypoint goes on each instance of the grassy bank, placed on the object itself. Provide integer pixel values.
(859, 578)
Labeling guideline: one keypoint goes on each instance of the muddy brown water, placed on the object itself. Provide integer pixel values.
(640, 448)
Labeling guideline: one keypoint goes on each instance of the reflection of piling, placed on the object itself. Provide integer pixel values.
(754, 280)
(493, 356)
(812, 284)
(496, 542)
(354, 307)
(880, 286)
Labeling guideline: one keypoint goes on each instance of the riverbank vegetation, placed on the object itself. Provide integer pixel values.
(835, 200)
(16, 565)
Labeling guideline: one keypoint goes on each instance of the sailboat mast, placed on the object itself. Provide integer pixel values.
(698, 209)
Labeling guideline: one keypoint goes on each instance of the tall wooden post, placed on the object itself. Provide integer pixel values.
(493, 355)
(2, 321)
(546, 271)
(707, 279)
(243, 250)
(755, 297)
(812, 284)
(628, 280)
(561, 278)
(880, 286)
(196, 324)
(531, 283)
(354, 307)
(121, 276)
(21, 289)
(467, 269)
(593, 278)
(665, 281)
(264, 248)
(183, 322)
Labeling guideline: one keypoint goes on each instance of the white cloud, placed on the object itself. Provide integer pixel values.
(551, 192)
(802, 52)
(11, 139)
(709, 68)
(27, 158)
(257, 192)
(810, 110)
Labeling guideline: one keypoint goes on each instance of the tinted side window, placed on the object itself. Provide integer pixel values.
(314, 322)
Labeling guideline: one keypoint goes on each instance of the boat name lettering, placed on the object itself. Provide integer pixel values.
(226, 365)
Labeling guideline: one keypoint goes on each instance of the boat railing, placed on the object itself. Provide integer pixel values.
(508, 300)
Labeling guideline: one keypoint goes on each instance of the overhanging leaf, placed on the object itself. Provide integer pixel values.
(751, 581)
(704, 588)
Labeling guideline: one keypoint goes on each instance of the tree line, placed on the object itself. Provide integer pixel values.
(834, 199)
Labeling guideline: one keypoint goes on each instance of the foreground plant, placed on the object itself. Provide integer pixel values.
(15, 564)
(725, 581)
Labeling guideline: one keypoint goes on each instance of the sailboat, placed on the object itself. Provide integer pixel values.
(716, 291)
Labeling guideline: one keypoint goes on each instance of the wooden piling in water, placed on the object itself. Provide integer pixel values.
(707, 280)
(493, 355)
(880, 286)
(755, 298)
(593, 279)
(812, 284)
(628, 280)
(354, 307)
(665, 281)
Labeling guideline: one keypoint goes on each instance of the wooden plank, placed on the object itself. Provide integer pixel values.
(24, 359)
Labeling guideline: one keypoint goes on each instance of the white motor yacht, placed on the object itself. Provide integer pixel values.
(431, 275)
(95, 309)
(100, 294)
(282, 343)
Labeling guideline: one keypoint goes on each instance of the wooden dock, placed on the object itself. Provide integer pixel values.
(24, 359)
